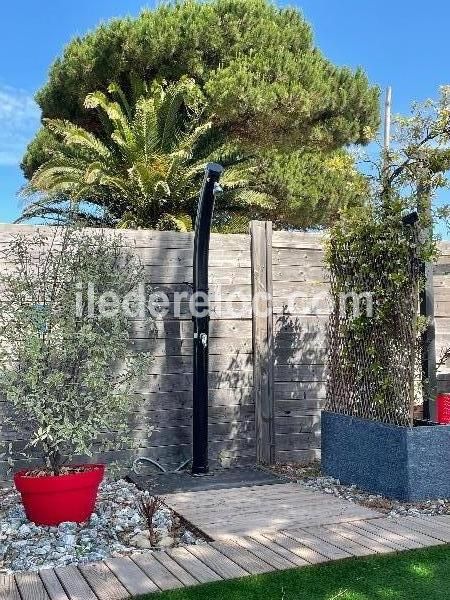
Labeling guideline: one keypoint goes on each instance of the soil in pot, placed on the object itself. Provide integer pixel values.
(53, 499)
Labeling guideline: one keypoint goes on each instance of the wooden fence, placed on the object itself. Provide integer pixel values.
(269, 308)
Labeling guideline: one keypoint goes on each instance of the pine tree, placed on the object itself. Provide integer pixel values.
(265, 84)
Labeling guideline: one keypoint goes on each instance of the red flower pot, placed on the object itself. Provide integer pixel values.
(52, 499)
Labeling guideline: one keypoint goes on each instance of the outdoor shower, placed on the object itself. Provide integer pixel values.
(200, 318)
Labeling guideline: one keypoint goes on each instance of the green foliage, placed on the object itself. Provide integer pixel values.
(148, 169)
(67, 376)
(310, 189)
(417, 165)
(264, 83)
(373, 260)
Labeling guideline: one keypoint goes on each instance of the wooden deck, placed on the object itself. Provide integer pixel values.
(262, 532)
(261, 508)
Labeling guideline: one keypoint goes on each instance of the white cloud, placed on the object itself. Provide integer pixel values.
(19, 119)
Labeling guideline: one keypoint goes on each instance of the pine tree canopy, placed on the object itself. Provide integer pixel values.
(264, 81)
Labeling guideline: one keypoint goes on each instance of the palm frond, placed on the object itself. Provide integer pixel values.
(75, 135)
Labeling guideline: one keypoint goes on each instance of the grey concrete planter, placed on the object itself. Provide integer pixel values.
(410, 464)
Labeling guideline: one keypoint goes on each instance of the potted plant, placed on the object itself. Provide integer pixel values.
(67, 364)
(380, 262)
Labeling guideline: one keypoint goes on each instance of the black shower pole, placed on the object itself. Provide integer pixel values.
(200, 318)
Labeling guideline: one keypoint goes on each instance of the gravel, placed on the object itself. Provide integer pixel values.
(115, 529)
(311, 477)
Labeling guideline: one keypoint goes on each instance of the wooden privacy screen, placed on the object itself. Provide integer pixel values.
(264, 370)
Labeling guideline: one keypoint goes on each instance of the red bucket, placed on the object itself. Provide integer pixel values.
(53, 499)
(443, 409)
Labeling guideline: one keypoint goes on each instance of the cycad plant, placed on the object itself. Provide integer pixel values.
(144, 169)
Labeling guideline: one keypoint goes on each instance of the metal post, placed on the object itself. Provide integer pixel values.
(428, 341)
(387, 120)
(200, 318)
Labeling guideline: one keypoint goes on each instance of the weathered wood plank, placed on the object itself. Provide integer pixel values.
(253, 493)
(299, 456)
(297, 256)
(242, 557)
(300, 373)
(176, 569)
(298, 441)
(184, 347)
(168, 382)
(339, 541)
(300, 274)
(318, 545)
(249, 509)
(8, 588)
(131, 576)
(31, 587)
(218, 363)
(224, 419)
(102, 580)
(179, 329)
(294, 424)
(297, 239)
(218, 275)
(428, 529)
(296, 549)
(361, 537)
(421, 539)
(157, 572)
(52, 584)
(74, 583)
(437, 520)
(261, 252)
(217, 562)
(269, 552)
(183, 257)
(161, 240)
(193, 565)
(382, 535)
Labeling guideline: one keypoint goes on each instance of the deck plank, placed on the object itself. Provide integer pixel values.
(438, 520)
(339, 541)
(252, 510)
(360, 527)
(307, 539)
(416, 536)
(162, 577)
(271, 544)
(176, 569)
(134, 580)
(218, 562)
(301, 552)
(75, 585)
(102, 580)
(31, 587)
(242, 557)
(8, 588)
(430, 529)
(388, 537)
(263, 551)
(358, 536)
(193, 565)
(52, 584)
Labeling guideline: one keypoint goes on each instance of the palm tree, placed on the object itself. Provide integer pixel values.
(145, 168)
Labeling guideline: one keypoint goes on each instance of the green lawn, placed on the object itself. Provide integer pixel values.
(414, 575)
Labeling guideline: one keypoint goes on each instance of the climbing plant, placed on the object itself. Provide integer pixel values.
(375, 257)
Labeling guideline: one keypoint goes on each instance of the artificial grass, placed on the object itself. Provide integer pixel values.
(414, 575)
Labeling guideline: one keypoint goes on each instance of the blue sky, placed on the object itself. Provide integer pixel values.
(398, 43)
